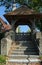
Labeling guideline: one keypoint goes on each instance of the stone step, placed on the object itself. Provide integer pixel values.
(18, 56)
(22, 56)
(32, 56)
(26, 53)
(28, 44)
(18, 47)
(24, 50)
(22, 47)
(18, 50)
(23, 60)
(18, 60)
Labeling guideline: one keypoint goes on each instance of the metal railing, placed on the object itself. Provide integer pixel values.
(22, 36)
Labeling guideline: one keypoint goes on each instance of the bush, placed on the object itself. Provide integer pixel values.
(2, 60)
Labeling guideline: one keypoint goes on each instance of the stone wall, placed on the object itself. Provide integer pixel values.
(39, 36)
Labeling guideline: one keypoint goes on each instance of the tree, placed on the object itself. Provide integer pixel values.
(39, 25)
(34, 4)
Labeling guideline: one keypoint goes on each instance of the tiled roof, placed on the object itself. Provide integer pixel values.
(21, 12)
(5, 26)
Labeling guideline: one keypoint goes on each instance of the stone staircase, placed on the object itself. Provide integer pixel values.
(20, 52)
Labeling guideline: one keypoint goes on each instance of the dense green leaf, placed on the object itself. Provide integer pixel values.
(2, 59)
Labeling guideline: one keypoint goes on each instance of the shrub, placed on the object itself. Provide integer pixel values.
(2, 60)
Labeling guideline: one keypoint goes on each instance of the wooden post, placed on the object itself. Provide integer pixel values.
(33, 29)
(13, 28)
(33, 33)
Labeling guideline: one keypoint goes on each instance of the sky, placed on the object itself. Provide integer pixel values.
(24, 28)
(2, 12)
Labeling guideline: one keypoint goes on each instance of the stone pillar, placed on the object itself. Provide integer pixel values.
(5, 46)
(39, 36)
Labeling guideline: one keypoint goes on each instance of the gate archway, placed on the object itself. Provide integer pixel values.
(23, 36)
(25, 16)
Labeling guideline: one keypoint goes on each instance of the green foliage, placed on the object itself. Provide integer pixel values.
(20, 1)
(2, 60)
(39, 25)
(35, 4)
(29, 30)
(19, 30)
